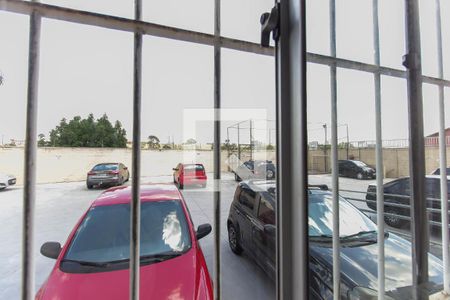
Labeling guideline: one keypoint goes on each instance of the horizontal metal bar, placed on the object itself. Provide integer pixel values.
(152, 29)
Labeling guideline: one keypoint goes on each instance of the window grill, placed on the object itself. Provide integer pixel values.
(291, 59)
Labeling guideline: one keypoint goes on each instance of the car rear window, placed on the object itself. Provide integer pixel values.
(194, 168)
(106, 167)
(104, 234)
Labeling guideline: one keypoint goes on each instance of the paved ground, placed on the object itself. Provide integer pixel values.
(59, 206)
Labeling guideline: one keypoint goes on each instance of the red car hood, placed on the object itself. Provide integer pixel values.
(183, 277)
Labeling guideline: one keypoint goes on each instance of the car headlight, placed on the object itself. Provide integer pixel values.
(362, 293)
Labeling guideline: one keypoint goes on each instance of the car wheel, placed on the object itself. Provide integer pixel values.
(233, 239)
(89, 186)
(359, 176)
(270, 174)
(180, 185)
(237, 178)
(393, 220)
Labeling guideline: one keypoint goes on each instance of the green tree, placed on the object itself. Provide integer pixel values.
(41, 140)
(88, 132)
(153, 142)
(191, 141)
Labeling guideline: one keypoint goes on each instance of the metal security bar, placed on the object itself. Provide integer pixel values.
(135, 211)
(443, 154)
(217, 154)
(29, 190)
(292, 249)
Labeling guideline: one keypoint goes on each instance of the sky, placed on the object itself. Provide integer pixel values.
(86, 69)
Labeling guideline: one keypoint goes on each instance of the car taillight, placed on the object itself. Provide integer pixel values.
(91, 173)
(113, 172)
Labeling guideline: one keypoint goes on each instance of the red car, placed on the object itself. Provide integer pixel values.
(189, 174)
(94, 262)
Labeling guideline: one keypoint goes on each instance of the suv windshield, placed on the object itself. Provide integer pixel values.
(105, 167)
(104, 234)
(351, 221)
(359, 163)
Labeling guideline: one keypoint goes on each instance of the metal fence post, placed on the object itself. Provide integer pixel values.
(443, 155)
(379, 154)
(136, 162)
(334, 158)
(420, 239)
(217, 175)
(29, 189)
(292, 148)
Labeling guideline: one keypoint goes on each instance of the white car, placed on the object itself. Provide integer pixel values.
(6, 180)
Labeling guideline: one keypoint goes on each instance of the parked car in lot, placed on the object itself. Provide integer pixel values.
(355, 169)
(438, 171)
(189, 174)
(255, 169)
(107, 174)
(398, 192)
(6, 180)
(251, 228)
(94, 262)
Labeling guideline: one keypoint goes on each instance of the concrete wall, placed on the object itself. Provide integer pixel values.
(72, 164)
(396, 161)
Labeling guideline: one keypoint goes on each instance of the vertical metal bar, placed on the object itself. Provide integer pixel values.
(379, 153)
(136, 161)
(443, 155)
(325, 149)
(29, 189)
(251, 139)
(217, 175)
(292, 151)
(420, 239)
(334, 158)
(348, 140)
(239, 142)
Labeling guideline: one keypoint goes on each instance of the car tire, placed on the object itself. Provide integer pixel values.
(180, 186)
(359, 176)
(233, 239)
(237, 178)
(89, 186)
(270, 174)
(392, 220)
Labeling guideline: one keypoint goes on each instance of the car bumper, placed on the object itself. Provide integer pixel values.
(194, 180)
(101, 181)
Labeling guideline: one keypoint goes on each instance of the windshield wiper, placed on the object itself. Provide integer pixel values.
(159, 257)
(88, 263)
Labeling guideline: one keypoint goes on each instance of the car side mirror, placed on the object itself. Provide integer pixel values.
(175, 169)
(125, 168)
(270, 229)
(51, 249)
(203, 230)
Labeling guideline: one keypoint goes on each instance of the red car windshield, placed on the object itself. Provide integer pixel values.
(104, 234)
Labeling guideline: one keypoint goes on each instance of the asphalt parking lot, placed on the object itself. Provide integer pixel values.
(59, 206)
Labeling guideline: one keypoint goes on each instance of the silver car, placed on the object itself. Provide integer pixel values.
(107, 174)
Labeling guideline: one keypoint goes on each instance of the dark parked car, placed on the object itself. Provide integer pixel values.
(251, 228)
(438, 171)
(255, 169)
(107, 174)
(398, 192)
(356, 169)
(189, 174)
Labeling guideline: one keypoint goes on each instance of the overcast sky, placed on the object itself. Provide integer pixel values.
(89, 70)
